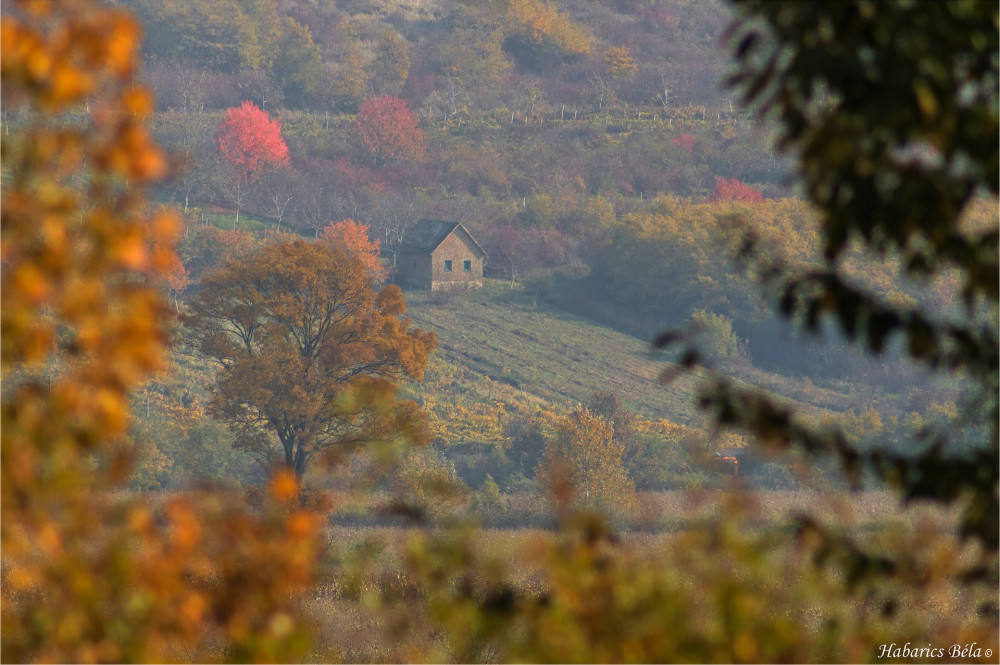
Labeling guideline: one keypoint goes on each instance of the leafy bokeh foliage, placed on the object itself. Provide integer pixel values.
(891, 110)
(89, 575)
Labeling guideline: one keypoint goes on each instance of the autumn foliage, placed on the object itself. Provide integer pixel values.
(252, 141)
(87, 575)
(311, 355)
(620, 62)
(389, 131)
(542, 23)
(583, 463)
(731, 189)
(684, 141)
(353, 238)
(309, 352)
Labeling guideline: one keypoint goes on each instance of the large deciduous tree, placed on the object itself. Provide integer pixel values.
(540, 32)
(471, 55)
(250, 143)
(309, 350)
(223, 35)
(389, 131)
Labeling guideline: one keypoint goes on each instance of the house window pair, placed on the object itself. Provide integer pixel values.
(466, 265)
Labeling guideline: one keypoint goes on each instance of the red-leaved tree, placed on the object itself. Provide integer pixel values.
(731, 189)
(250, 143)
(353, 237)
(389, 131)
(684, 141)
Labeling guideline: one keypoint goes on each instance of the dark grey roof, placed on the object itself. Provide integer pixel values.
(427, 234)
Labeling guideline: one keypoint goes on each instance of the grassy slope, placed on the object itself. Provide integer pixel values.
(532, 353)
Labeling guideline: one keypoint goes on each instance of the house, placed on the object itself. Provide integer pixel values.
(440, 255)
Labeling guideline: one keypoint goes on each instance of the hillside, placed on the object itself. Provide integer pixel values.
(597, 155)
(500, 344)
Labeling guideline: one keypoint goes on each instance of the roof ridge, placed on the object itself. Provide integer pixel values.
(428, 234)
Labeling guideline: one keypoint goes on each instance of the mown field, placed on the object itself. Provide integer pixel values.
(538, 353)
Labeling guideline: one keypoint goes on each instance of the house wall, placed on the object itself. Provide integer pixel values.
(414, 269)
(454, 249)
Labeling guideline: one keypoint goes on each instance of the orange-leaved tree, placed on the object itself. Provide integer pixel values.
(353, 238)
(620, 62)
(309, 351)
(89, 574)
(537, 24)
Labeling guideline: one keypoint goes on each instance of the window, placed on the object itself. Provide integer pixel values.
(447, 266)
(467, 265)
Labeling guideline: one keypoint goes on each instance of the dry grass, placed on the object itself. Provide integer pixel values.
(360, 628)
(366, 606)
(672, 510)
(848, 509)
(536, 353)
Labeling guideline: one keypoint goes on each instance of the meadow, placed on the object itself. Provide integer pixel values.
(373, 601)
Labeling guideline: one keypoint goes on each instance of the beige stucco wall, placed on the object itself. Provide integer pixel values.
(454, 249)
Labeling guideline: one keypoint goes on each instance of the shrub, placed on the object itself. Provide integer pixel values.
(427, 480)
(715, 334)
(582, 464)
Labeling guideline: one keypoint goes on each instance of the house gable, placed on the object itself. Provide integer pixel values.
(436, 254)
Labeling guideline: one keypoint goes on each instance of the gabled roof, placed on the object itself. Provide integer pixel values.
(427, 234)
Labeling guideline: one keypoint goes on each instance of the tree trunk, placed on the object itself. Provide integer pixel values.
(300, 463)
